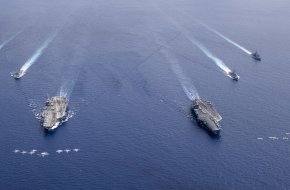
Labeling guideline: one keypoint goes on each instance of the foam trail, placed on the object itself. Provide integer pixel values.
(217, 61)
(68, 85)
(71, 74)
(10, 39)
(67, 88)
(187, 86)
(225, 38)
(37, 54)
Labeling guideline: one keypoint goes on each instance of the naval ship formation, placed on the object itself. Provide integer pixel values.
(206, 115)
(54, 112)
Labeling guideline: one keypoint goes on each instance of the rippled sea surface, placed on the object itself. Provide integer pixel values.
(131, 118)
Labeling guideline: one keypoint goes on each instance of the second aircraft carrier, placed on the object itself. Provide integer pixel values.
(206, 115)
(54, 112)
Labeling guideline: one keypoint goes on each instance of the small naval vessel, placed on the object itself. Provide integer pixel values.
(54, 112)
(18, 74)
(234, 75)
(256, 56)
(206, 115)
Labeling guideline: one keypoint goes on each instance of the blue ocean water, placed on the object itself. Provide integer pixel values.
(132, 120)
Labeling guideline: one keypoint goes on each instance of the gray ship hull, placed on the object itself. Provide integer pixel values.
(206, 115)
(17, 75)
(256, 56)
(54, 112)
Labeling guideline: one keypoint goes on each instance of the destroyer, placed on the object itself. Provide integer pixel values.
(206, 115)
(18, 74)
(256, 56)
(233, 75)
(54, 112)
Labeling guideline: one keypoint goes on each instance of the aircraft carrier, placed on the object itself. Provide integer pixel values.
(54, 112)
(206, 115)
